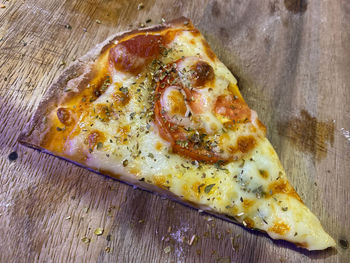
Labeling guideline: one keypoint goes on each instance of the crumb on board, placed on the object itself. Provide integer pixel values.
(98, 231)
(86, 240)
(140, 6)
(192, 240)
(167, 249)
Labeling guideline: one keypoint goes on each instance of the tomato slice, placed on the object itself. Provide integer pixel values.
(232, 108)
(185, 136)
(184, 141)
(180, 140)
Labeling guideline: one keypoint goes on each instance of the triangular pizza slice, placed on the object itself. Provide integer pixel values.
(156, 108)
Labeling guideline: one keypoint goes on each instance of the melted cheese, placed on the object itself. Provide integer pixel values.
(130, 146)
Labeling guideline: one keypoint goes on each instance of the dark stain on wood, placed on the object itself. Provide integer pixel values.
(308, 134)
(231, 20)
(224, 33)
(13, 156)
(215, 10)
(292, 45)
(344, 244)
(296, 6)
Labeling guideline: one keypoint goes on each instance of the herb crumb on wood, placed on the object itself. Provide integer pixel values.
(140, 6)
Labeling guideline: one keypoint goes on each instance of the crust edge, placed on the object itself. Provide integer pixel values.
(167, 194)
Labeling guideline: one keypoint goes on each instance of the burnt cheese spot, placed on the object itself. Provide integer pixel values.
(133, 54)
(202, 73)
(103, 112)
(246, 143)
(280, 228)
(120, 99)
(123, 133)
(247, 203)
(176, 103)
(64, 115)
(264, 174)
(230, 125)
(282, 186)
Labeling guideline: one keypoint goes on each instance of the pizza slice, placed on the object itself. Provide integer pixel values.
(155, 108)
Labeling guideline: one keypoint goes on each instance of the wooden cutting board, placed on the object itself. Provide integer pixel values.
(292, 59)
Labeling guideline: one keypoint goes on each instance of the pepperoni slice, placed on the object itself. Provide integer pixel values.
(132, 55)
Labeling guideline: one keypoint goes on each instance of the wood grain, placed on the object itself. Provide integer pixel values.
(293, 62)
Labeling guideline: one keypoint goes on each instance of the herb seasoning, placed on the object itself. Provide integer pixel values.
(208, 188)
